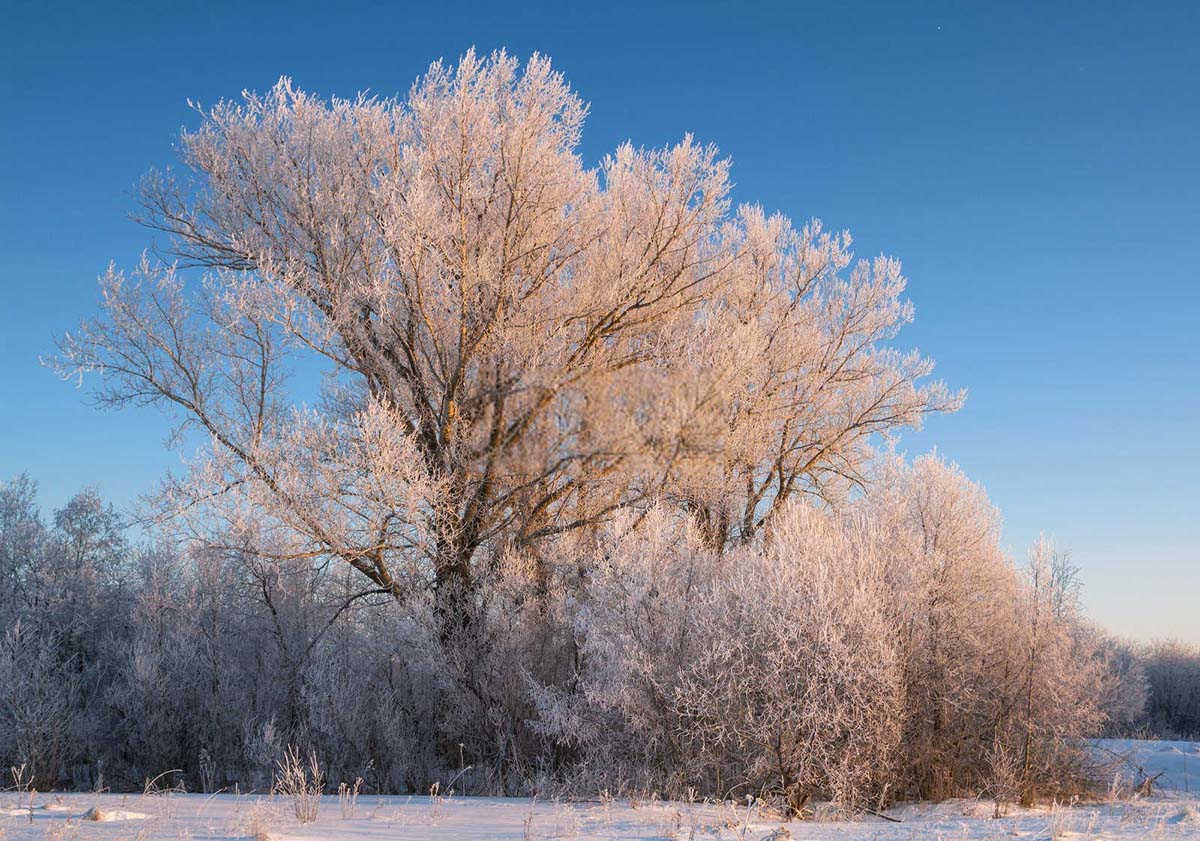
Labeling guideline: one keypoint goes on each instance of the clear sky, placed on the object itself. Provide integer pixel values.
(1036, 167)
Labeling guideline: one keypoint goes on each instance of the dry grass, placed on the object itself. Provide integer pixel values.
(348, 798)
(302, 780)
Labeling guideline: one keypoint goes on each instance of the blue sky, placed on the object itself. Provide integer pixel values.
(1036, 167)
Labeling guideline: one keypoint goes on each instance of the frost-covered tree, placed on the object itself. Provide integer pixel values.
(954, 594)
(1173, 678)
(517, 345)
(40, 709)
(22, 542)
(1001, 676)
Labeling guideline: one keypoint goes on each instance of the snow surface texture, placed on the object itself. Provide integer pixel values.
(1172, 814)
(1178, 762)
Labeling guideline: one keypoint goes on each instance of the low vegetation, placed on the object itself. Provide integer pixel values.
(889, 650)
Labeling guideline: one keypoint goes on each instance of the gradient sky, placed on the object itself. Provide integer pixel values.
(1036, 168)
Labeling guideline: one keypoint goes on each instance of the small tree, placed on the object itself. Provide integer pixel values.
(1061, 677)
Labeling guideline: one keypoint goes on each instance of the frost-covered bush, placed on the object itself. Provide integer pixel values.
(768, 668)
(373, 692)
(795, 685)
(637, 630)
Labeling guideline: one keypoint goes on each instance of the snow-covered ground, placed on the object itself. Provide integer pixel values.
(1177, 762)
(1172, 813)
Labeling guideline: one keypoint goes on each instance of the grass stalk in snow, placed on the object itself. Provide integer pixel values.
(301, 779)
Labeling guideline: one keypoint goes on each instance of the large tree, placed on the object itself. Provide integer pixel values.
(516, 345)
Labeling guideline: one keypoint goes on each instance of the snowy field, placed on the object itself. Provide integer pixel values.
(1177, 762)
(1172, 813)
